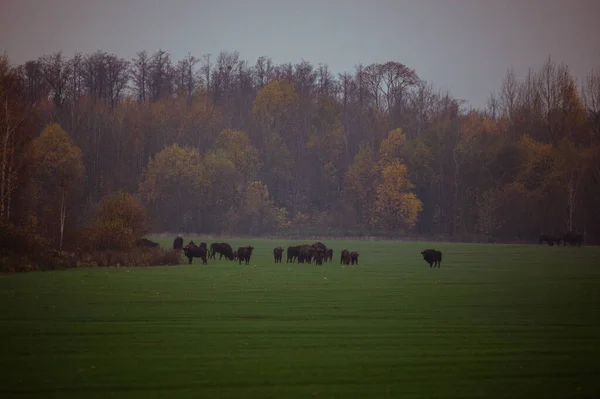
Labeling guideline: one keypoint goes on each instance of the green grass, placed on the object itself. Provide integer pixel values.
(495, 321)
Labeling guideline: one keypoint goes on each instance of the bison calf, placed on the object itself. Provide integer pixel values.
(278, 254)
(432, 257)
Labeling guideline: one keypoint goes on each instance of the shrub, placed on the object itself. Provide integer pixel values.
(120, 221)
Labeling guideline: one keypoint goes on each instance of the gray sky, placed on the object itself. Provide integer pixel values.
(465, 46)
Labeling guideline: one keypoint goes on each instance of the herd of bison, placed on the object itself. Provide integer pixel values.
(300, 253)
(316, 252)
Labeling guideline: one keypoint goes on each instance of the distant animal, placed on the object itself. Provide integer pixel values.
(319, 255)
(306, 254)
(574, 239)
(432, 257)
(221, 248)
(235, 255)
(354, 257)
(144, 242)
(192, 251)
(178, 243)
(292, 253)
(345, 257)
(244, 254)
(329, 255)
(278, 254)
(546, 238)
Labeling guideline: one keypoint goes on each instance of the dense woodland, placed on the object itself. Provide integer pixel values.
(217, 145)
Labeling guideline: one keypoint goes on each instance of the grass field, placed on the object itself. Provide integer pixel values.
(495, 321)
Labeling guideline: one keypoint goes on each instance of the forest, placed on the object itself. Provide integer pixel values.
(217, 145)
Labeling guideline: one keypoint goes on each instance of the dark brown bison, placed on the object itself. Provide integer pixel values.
(354, 257)
(574, 239)
(292, 253)
(278, 254)
(178, 243)
(319, 255)
(221, 248)
(235, 255)
(146, 243)
(329, 255)
(546, 238)
(244, 254)
(306, 254)
(345, 258)
(192, 251)
(432, 257)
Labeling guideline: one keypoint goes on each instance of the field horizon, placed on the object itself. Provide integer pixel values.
(495, 321)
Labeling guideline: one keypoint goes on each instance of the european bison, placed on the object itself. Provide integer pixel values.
(432, 257)
(144, 242)
(278, 254)
(221, 248)
(354, 257)
(192, 251)
(345, 258)
(319, 255)
(573, 239)
(235, 255)
(292, 253)
(306, 254)
(329, 255)
(551, 240)
(178, 243)
(244, 254)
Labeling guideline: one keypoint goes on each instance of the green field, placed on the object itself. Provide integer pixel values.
(495, 321)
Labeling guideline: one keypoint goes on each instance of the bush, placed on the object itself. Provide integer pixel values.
(120, 221)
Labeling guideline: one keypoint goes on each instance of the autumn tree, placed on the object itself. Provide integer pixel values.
(396, 206)
(120, 221)
(58, 168)
(174, 184)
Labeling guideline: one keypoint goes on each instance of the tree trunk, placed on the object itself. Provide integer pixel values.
(63, 215)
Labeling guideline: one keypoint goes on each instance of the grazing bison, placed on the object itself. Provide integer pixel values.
(546, 238)
(306, 254)
(235, 255)
(278, 254)
(573, 239)
(319, 255)
(244, 254)
(192, 251)
(144, 242)
(221, 248)
(354, 257)
(292, 253)
(432, 257)
(329, 255)
(178, 243)
(345, 258)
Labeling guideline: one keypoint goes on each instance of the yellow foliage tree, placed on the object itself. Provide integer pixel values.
(396, 207)
(58, 167)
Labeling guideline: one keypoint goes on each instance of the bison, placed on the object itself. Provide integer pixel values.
(329, 255)
(221, 248)
(345, 258)
(306, 254)
(192, 251)
(573, 239)
(244, 254)
(292, 253)
(278, 254)
(354, 257)
(319, 255)
(546, 238)
(144, 242)
(178, 243)
(235, 255)
(432, 257)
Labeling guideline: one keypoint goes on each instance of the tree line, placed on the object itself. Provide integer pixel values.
(216, 145)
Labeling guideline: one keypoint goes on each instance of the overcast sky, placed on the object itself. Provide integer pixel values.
(465, 46)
